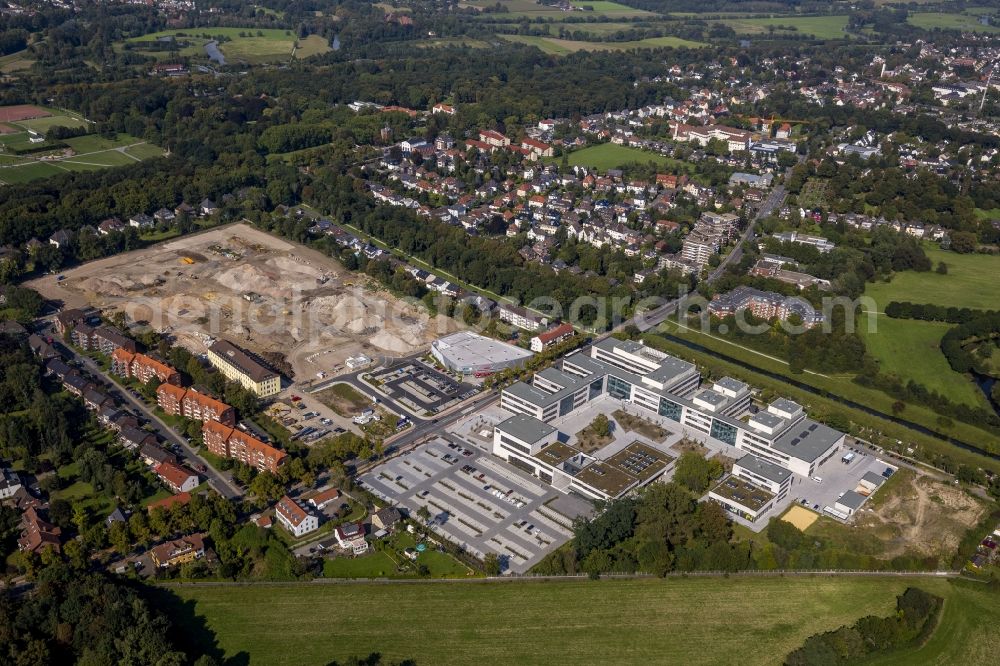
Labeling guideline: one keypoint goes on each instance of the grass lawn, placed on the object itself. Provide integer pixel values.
(43, 125)
(557, 46)
(145, 151)
(465, 42)
(311, 45)
(912, 350)
(971, 282)
(949, 21)
(821, 27)
(610, 156)
(15, 61)
(676, 621)
(373, 565)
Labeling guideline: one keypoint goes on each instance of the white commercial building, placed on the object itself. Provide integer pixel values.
(469, 353)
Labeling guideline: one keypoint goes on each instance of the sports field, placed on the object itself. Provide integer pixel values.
(821, 27)
(611, 155)
(971, 282)
(83, 153)
(949, 21)
(800, 517)
(557, 46)
(912, 350)
(675, 621)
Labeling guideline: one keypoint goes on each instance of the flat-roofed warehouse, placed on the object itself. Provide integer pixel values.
(469, 353)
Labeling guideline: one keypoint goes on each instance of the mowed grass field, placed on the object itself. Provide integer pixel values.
(557, 46)
(912, 350)
(611, 156)
(676, 621)
(254, 46)
(971, 282)
(949, 21)
(821, 27)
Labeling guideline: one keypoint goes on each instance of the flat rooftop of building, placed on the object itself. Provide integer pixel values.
(466, 349)
(873, 478)
(743, 493)
(807, 440)
(640, 461)
(607, 478)
(786, 405)
(767, 419)
(531, 394)
(711, 397)
(556, 453)
(763, 468)
(525, 428)
(730, 384)
(852, 499)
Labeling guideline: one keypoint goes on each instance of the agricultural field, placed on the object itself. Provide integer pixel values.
(912, 350)
(13, 62)
(683, 621)
(821, 27)
(557, 46)
(971, 282)
(945, 21)
(242, 45)
(530, 9)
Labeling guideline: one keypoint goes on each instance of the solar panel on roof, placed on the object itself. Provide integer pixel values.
(813, 427)
(796, 441)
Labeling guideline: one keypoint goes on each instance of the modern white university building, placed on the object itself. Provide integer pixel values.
(780, 435)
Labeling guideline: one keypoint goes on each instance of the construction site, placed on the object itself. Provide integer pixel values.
(294, 306)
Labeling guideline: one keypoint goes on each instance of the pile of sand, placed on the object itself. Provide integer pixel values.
(116, 287)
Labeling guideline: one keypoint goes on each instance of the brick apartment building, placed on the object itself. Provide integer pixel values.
(141, 367)
(105, 339)
(191, 404)
(238, 445)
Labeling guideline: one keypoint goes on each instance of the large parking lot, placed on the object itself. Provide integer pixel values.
(420, 388)
(479, 501)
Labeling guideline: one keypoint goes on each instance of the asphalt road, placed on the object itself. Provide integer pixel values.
(220, 481)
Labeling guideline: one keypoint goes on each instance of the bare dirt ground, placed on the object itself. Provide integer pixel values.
(258, 291)
(921, 515)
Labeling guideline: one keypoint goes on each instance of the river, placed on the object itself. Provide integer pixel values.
(213, 52)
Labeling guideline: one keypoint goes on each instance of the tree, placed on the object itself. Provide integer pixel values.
(491, 564)
(963, 242)
(601, 426)
(267, 487)
(898, 407)
(942, 268)
(695, 472)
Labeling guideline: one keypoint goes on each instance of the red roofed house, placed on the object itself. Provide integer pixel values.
(294, 518)
(551, 337)
(178, 479)
(443, 108)
(168, 503)
(322, 500)
(238, 445)
(37, 534)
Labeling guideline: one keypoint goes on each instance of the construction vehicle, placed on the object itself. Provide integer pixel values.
(187, 260)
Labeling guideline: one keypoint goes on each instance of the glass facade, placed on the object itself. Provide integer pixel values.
(618, 388)
(670, 409)
(596, 388)
(723, 432)
(566, 405)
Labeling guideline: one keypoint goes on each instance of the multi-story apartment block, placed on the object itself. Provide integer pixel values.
(232, 443)
(192, 404)
(239, 366)
(764, 304)
(142, 367)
